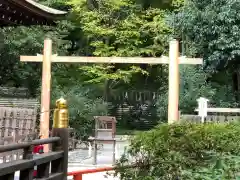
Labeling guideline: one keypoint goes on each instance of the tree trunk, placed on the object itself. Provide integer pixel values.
(238, 84)
(106, 90)
(235, 85)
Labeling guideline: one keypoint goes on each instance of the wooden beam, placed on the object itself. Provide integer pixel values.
(124, 60)
(45, 93)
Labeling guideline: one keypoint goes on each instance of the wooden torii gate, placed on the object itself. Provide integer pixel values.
(173, 60)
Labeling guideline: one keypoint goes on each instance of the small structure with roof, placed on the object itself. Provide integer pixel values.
(27, 12)
(104, 133)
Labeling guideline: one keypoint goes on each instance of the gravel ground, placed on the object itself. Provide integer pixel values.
(78, 156)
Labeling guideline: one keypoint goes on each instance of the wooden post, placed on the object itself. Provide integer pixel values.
(60, 129)
(95, 144)
(27, 174)
(78, 177)
(173, 84)
(45, 93)
(95, 152)
(114, 152)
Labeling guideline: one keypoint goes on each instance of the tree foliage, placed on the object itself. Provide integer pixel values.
(119, 28)
(211, 30)
(183, 151)
(27, 41)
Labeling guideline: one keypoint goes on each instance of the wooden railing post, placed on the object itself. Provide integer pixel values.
(26, 166)
(27, 174)
(114, 152)
(60, 129)
(94, 152)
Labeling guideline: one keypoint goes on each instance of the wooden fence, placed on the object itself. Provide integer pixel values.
(214, 115)
(17, 120)
(14, 92)
(16, 154)
(15, 125)
(52, 165)
(134, 109)
(58, 159)
(19, 103)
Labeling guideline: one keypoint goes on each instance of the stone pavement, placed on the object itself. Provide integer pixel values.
(104, 159)
(80, 159)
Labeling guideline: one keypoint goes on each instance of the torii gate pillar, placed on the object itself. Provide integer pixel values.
(45, 92)
(173, 82)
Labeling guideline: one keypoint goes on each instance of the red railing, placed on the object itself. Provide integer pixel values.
(78, 175)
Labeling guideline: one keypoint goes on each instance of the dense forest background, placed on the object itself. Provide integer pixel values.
(208, 29)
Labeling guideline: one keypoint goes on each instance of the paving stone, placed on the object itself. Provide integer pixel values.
(79, 159)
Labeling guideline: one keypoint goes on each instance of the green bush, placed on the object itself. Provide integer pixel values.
(184, 151)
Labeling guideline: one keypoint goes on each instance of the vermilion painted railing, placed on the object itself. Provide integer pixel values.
(78, 175)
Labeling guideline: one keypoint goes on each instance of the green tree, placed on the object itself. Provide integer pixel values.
(119, 28)
(210, 30)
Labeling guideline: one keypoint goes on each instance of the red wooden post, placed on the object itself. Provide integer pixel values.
(77, 177)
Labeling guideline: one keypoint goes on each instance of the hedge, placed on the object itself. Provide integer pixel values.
(184, 151)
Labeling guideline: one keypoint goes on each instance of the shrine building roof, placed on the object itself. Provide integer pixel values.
(27, 12)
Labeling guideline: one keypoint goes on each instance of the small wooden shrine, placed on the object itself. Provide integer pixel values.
(27, 12)
(104, 133)
(105, 127)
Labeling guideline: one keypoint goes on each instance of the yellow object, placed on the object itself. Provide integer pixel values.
(60, 117)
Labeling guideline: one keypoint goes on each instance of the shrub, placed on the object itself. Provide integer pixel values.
(184, 151)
